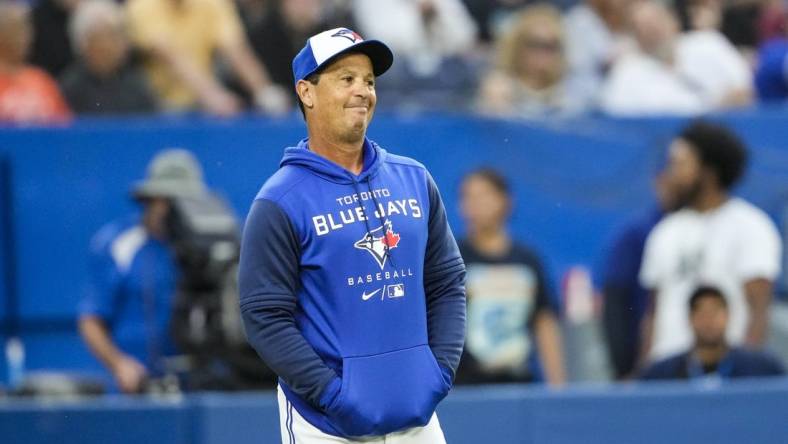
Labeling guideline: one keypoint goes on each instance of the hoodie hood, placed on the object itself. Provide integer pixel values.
(301, 155)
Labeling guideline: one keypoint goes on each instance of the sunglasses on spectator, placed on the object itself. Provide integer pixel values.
(551, 45)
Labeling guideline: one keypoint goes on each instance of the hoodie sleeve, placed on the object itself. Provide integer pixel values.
(268, 283)
(444, 287)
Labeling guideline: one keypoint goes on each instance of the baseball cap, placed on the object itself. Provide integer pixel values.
(323, 48)
(171, 173)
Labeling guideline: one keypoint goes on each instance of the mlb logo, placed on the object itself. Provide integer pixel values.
(396, 290)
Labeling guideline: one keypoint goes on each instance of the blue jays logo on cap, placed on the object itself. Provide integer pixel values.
(348, 34)
(323, 48)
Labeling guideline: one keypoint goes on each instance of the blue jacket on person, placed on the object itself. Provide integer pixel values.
(737, 363)
(132, 283)
(352, 290)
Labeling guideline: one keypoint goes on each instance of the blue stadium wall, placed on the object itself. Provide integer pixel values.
(736, 413)
(574, 183)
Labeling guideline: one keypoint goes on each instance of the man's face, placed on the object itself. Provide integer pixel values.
(483, 207)
(16, 34)
(709, 321)
(344, 99)
(684, 172)
(157, 209)
(541, 54)
(654, 28)
(105, 48)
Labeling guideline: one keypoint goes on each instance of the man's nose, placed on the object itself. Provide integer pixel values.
(361, 89)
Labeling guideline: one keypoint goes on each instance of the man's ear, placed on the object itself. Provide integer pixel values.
(306, 91)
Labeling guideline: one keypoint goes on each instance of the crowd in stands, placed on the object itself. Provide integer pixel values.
(505, 58)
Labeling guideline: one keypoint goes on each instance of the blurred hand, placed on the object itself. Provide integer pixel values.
(273, 100)
(129, 374)
(221, 103)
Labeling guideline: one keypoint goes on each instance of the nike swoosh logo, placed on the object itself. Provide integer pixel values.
(365, 296)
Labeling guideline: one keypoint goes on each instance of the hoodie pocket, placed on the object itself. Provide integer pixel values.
(384, 393)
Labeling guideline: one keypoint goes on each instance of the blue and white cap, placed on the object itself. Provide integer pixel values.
(322, 49)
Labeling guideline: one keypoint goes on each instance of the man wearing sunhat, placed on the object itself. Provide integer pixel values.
(351, 283)
(125, 312)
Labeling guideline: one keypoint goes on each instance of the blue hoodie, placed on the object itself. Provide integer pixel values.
(352, 290)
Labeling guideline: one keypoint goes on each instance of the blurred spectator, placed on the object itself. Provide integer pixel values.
(715, 239)
(696, 15)
(773, 23)
(771, 76)
(253, 12)
(710, 355)
(338, 13)
(529, 79)
(625, 300)
(279, 37)
(102, 80)
(646, 81)
(719, 72)
(744, 23)
(125, 315)
(179, 39)
(433, 40)
(685, 74)
(52, 49)
(510, 319)
(595, 38)
(423, 30)
(740, 22)
(491, 15)
(27, 94)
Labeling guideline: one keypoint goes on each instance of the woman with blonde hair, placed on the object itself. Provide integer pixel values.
(529, 74)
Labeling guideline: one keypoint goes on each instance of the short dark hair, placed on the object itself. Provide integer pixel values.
(493, 177)
(718, 148)
(706, 291)
(314, 79)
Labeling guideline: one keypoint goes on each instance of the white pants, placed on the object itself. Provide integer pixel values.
(296, 430)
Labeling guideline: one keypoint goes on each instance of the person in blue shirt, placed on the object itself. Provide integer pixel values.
(771, 74)
(125, 312)
(625, 299)
(712, 357)
(351, 283)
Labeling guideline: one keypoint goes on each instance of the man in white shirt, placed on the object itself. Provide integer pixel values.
(715, 239)
(674, 73)
(595, 38)
(422, 31)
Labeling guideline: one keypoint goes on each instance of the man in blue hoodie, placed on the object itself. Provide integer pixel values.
(351, 282)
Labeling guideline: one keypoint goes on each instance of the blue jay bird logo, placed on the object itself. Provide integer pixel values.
(348, 34)
(378, 243)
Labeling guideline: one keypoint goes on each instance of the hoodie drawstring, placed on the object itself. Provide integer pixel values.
(382, 221)
(360, 205)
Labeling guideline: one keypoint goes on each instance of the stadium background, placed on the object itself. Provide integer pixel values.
(575, 181)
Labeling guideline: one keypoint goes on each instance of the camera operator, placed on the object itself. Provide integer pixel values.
(126, 312)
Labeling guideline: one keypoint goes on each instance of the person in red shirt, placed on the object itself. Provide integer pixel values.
(27, 94)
